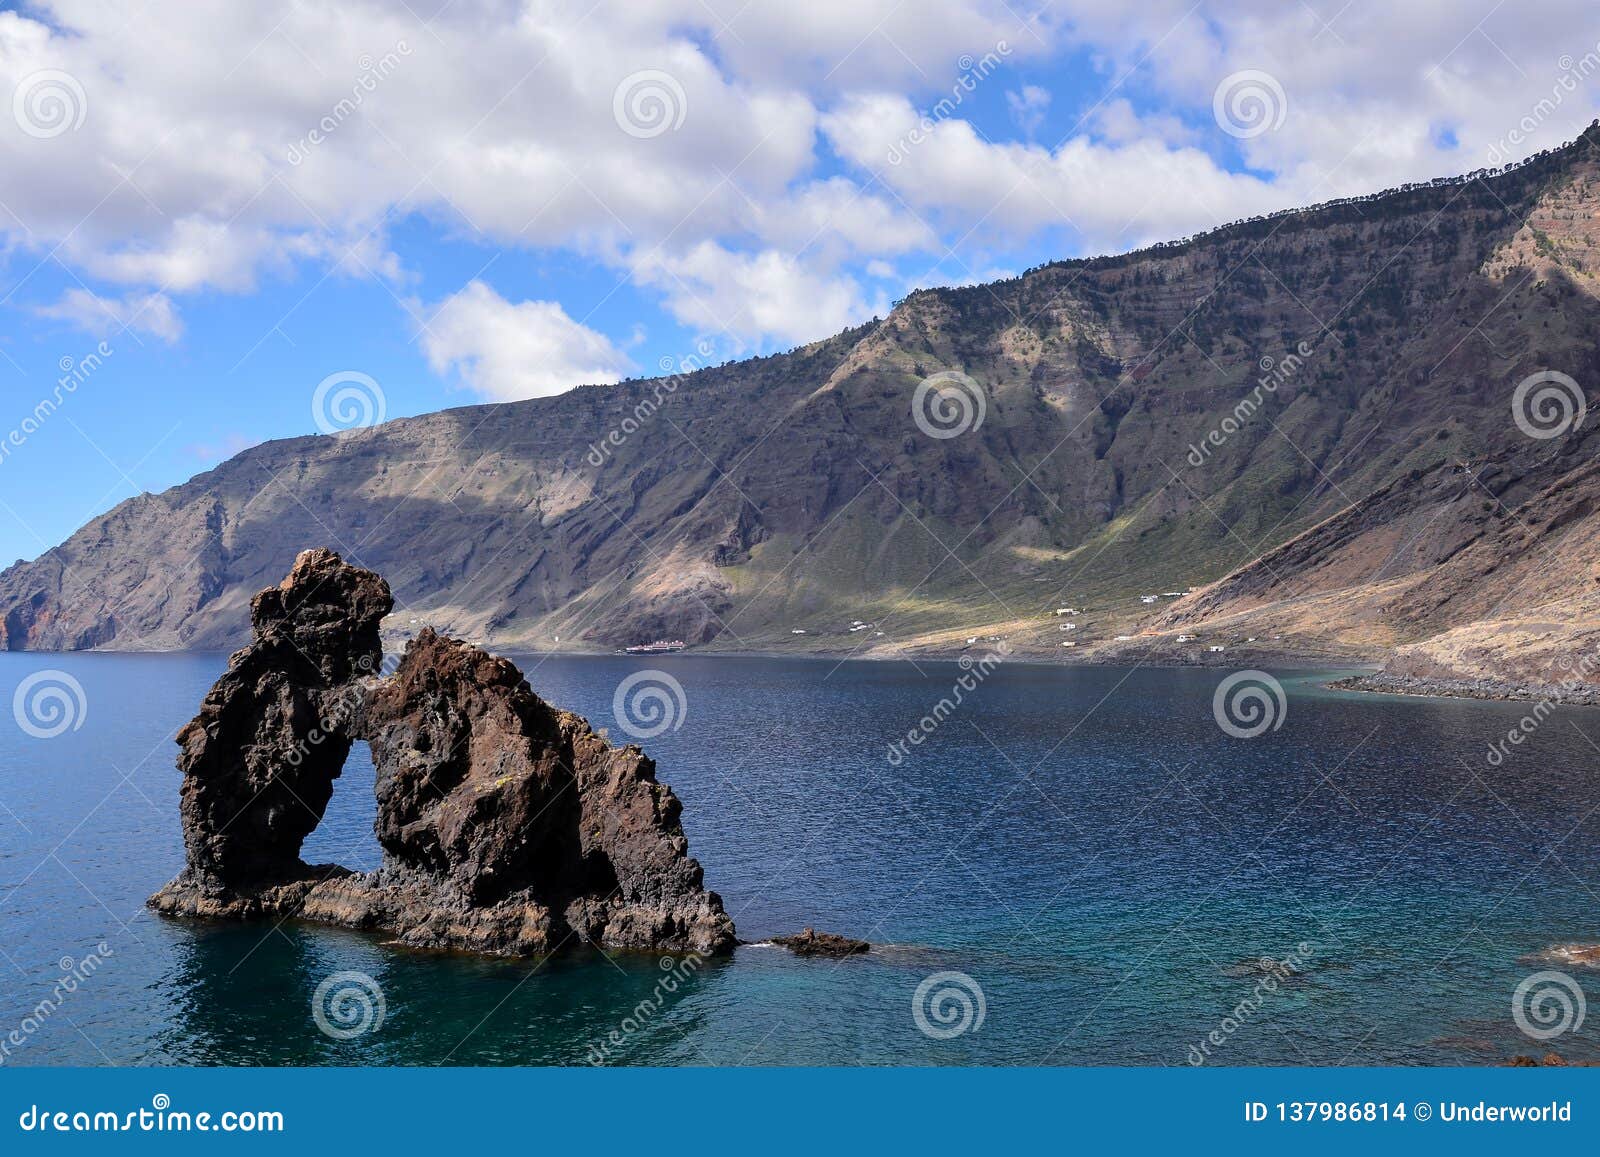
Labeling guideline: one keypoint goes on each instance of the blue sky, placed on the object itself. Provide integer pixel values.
(508, 200)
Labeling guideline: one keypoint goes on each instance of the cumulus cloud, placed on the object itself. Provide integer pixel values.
(201, 153)
(1114, 195)
(195, 156)
(151, 313)
(744, 296)
(1116, 121)
(506, 351)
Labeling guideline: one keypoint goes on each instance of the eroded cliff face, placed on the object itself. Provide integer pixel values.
(507, 826)
(752, 499)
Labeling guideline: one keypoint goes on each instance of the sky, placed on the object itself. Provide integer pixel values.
(222, 223)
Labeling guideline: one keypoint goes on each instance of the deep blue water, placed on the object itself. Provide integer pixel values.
(1086, 844)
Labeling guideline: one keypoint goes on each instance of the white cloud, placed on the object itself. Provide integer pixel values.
(840, 45)
(1366, 86)
(1116, 196)
(151, 313)
(1028, 107)
(246, 138)
(193, 167)
(840, 218)
(746, 296)
(507, 351)
(1117, 122)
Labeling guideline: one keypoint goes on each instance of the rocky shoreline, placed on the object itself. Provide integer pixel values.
(1499, 690)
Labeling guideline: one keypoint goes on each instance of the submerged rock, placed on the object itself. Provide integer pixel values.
(1567, 955)
(507, 826)
(810, 942)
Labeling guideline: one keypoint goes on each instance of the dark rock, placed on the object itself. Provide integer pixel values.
(813, 943)
(258, 764)
(507, 826)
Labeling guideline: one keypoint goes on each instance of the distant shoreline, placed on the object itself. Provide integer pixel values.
(1028, 659)
(1484, 690)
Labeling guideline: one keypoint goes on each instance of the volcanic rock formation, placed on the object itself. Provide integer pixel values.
(810, 942)
(507, 826)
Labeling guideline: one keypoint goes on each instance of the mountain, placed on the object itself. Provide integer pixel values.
(1306, 418)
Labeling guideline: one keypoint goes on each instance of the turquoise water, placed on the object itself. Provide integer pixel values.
(1086, 845)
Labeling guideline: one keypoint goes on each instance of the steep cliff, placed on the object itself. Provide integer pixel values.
(1303, 407)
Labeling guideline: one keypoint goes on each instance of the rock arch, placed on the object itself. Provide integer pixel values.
(507, 826)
